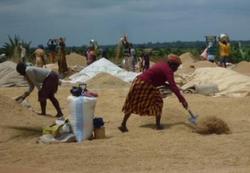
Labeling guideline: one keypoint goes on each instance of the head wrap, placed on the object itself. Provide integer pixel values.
(40, 46)
(174, 59)
(21, 68)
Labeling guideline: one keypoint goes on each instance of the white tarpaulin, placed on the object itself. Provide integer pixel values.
(100, 66)
(230, 83)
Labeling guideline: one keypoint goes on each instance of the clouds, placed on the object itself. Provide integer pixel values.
(144, 20)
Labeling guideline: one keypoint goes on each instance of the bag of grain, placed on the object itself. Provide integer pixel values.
(81, 116)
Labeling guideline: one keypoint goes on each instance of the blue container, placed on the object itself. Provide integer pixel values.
(98, 122)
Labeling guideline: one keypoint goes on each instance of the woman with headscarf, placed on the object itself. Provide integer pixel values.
(52, 50)
(144, 98)
(62, 63)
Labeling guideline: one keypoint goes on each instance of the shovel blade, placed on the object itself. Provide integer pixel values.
(193, 120)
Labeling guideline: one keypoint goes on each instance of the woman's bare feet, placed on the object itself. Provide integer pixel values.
(159, 127)
(41, 114)
(123, 129)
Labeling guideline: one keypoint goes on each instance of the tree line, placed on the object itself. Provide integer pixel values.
(240, 50)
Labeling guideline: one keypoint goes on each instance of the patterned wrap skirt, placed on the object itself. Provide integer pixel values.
(143, 99)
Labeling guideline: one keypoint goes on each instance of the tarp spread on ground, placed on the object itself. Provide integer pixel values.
(100, 66)
(229, 83)
(9, 76)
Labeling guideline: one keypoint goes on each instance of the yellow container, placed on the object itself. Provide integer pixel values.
(53, 130)
(99, 133)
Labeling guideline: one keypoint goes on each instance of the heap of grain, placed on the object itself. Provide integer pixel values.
(243, 67)
(212, 125)
(18, 122)
(74, 59)
(105, 80)
(187, 60)
(201, 64)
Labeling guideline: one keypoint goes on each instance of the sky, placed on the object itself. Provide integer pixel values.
(107, 20)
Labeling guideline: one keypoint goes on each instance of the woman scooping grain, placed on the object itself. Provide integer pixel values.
(144, 98)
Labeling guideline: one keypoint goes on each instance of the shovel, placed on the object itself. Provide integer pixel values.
(193, 118)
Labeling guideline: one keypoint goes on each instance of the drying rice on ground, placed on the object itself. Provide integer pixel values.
(189, 68)
(142, 149)
(76, 63)
(105, 80)
(187, 58)
(200, 64)
(243, 67)
(74, 59)
(18, 122)
(229, 83)
(185, 69)
(181, 76)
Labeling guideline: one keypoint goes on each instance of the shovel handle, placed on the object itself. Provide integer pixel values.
(19, 99)
(191, 114)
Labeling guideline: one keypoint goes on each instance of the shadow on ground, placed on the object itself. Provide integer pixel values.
(23, 132)
(168, 125)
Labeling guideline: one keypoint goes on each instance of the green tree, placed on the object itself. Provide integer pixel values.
(12, 48)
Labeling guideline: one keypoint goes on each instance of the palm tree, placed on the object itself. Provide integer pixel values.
(12, 48)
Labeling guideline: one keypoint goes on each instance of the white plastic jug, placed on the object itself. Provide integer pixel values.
(81, 116)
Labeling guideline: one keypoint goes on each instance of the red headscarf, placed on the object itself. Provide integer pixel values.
(174, 59)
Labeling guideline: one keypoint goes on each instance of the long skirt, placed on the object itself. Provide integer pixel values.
(143, 99)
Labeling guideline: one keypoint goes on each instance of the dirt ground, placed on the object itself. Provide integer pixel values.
(143, 149)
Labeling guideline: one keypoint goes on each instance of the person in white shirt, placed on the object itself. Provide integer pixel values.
(45, 80)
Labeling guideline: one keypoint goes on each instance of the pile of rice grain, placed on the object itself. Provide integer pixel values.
(200, 64)
(105, 80)
(212, 125)
(243, 67)
(187, 58)
(74, 59)
(18, 122)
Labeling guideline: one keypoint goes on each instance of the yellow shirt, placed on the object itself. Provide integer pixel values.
(224, 49)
